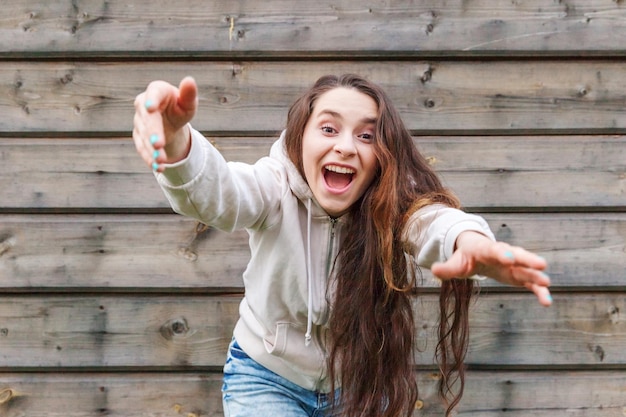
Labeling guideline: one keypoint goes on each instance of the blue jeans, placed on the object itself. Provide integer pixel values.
(250, 389)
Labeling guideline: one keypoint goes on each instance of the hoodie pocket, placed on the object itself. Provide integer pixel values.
(278, 346)
(288, 344)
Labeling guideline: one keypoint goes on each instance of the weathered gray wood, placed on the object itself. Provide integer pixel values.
(151, 252)
(167, 331)
(329, 28)
(120, 310)
(586, 250)
(536, 171)
(594, 394)
(449, 96)
(541, 394)
(110, 331)
(579, 329)
(115, 395)
(169, 252)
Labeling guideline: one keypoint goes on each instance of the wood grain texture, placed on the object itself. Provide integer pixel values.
(486, 172)
(462, 97)
(112, 394)
(491, 394)
(325, 28)
(112, 305)
(169, 253)
(178, 333)
(115, 331)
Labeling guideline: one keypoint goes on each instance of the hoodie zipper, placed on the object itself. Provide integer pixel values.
(331, 242)
(329, 255)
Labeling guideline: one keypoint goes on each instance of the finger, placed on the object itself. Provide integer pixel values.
(542, 293)
(139, 122)
(147, 133)
(514, 255)
(458, 266)
(158, 96)
(151, 156)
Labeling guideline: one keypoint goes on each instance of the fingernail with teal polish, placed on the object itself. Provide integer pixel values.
(155, 154)
(549, 297)
(154, 138)
(155, 166)
(509, 255)
(148, 104)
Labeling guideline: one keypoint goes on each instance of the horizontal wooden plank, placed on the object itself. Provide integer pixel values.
(489, 172)
(96, 332)
(151, 252)
(254, 28)
(113, 395)
(169, 252)
(435, 96)
(114, 331)
(536, 171)
(488, 394)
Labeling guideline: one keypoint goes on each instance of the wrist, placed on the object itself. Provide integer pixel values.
(179, 145)
(469, 238)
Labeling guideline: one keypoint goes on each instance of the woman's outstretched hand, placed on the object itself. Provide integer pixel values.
(160, 129)
(476, 254)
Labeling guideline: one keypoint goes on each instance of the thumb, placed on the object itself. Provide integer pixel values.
(182, 106)
(188, 95)
(458, 266)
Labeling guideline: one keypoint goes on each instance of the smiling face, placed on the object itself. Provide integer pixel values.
(338, 148)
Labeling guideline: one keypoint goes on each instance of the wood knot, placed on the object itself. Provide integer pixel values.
(598, 352)
(189, 251)
(6, 243)
(178, 409)
(427, 75)
(237, 69)
(614, 314)
(187, 254)
(174, 328)
(7, 394)
(431, 160)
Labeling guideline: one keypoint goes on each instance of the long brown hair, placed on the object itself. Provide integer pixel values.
(371, 323)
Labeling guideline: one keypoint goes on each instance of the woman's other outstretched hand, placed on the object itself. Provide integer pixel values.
(476, 254)
(160, 131)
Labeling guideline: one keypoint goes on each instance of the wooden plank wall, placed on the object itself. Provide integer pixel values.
(112, 305)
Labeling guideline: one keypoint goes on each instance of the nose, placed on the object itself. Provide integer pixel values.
(345, 145)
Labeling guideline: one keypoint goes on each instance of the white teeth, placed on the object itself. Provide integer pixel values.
(340, 170)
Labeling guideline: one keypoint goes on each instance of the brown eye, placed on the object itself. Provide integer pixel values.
(366, 137)
(328, 129)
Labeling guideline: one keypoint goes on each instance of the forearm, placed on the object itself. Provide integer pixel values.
(433, 231)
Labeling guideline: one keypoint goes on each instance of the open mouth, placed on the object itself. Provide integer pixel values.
(338, 177)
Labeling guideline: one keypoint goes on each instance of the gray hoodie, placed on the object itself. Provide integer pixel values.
(293, 243)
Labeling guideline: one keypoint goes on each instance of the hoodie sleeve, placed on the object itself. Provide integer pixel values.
(225, 195)
(431, 232)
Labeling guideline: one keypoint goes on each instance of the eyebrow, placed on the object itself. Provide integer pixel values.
(337, 115)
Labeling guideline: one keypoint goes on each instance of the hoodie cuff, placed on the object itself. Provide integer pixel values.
(184, 171)
(453, 233)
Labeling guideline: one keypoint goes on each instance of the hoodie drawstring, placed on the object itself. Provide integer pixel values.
(309, 323)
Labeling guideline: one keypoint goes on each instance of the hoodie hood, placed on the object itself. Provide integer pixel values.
(298, 184)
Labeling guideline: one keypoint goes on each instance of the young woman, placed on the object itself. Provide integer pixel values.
(341, 216)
